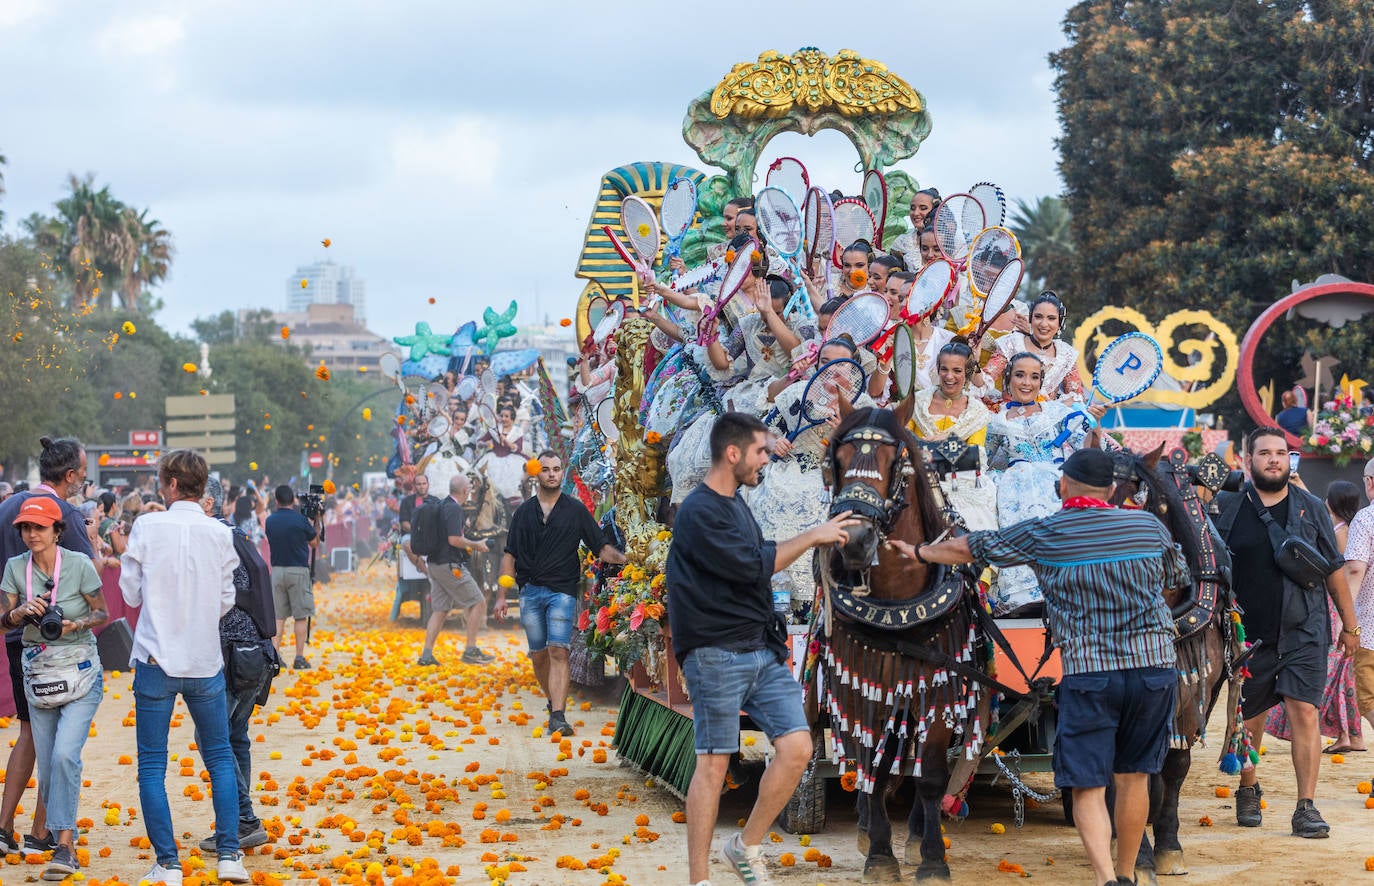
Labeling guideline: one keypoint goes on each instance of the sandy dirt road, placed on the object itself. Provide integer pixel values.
(371, 769)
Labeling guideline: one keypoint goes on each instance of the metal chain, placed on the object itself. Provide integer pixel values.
(1019, 789)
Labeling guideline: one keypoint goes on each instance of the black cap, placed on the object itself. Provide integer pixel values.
(1091, 467)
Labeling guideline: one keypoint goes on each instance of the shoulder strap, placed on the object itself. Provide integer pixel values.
(1277, 533)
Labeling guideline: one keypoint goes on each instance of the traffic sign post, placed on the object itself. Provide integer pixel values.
(315, 459)
(205, 424)
(145, 439)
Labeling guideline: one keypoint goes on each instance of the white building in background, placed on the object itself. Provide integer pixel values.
(328, 333)
(327, 283)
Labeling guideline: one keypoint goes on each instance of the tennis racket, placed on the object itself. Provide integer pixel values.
(993, 201)
(436, 396)
(933, 283)
(862, 318)
(958, 219)
(676, 212)
(735, 277)
(640, 224)
(990, 252)
(999, 295)
(822, 394)
(788, 174)
(853, 221)
(875, 196)
(595, 310)
(605, 420)
(610, 322)
(698, 276)
(779, 222)
(438, 426)
(903, 361)
(1126, 368)
(466, 388)
(487, 416)
(818, 226)
(389, 364)
(488, 379)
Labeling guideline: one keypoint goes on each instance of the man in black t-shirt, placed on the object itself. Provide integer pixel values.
(451, 585)
(289, 539)
(411, 503)
(732, 651)
(541, 558)
(1291, 625)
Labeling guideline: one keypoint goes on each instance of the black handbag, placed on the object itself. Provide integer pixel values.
(1295, 556)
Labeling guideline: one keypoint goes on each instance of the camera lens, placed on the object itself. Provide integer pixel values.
(50, 625)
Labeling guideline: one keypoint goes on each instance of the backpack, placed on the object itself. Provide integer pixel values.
(427, 536)
(256, 599)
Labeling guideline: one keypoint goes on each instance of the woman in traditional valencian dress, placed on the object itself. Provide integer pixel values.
(1027, 441)
(921, 213)
(792, 497)
(950, 411)
(505, 463)
(761, 345)
(1038, 336)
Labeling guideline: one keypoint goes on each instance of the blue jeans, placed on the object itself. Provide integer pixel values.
(155, 694)
(59, 734)
(723, 682)
(240, 711)
(547, 617)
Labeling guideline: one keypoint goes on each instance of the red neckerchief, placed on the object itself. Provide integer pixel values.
(1083, 501)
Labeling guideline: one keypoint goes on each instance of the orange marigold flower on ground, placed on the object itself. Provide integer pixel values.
(1205, 821)
(787, 859)
(1223, 792)
(680, 817)
(641, 820)
(812, 854)
(1007, 867)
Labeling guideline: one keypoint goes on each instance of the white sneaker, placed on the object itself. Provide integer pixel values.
(231, 870)
(159, 874)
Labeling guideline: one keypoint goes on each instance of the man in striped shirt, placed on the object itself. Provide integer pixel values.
(1103, 572)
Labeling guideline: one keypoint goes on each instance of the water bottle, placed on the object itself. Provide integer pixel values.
(782, 595)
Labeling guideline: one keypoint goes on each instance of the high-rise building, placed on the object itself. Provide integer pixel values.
(327, 283)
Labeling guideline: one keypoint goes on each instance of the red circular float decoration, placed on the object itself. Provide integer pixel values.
(1245, 378)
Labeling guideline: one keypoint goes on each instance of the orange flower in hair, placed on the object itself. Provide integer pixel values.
(858, 277)
(730, 256)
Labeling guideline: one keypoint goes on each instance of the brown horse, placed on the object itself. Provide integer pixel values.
(899, 650)
(1208, 648)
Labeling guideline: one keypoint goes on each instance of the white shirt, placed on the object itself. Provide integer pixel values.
(179, 566)
(1359, 545)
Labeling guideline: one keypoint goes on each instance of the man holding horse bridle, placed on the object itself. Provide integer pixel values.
(732, 646)
(1103, 572)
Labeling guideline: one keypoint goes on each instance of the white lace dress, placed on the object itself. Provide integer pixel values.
(972, 493)
(792, 497)
(1061, 381)
(750, 345)
(1025, 453)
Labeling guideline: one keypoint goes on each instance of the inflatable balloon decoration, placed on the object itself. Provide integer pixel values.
(498, 326)
(428, 351)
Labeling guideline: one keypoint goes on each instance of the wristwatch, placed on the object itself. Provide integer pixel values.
(1355, 630)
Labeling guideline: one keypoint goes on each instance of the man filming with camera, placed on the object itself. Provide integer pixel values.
(290, 538)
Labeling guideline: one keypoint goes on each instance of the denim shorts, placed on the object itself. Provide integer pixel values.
(723, 683)
(1113, 721)
(547, 617)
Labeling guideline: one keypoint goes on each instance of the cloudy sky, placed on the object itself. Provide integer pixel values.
(452, 150)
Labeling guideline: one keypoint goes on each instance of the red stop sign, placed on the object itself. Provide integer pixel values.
(316, 460)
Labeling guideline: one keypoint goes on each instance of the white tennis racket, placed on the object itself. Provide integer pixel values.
(875, 196)
(958, 219)
(933, 284)
(1126, 368)
(676, 212)
(438, 426)
(389, 365)
(862, 317)
(818, 227)
(903, 361)
(779, 221)
(999, 295)
(735, 277)
(465, 388)
(610, 322)
(990, 252)
(605, 419)
(788, 174)
(699, 276)
(853, 222)
(993, 201)
(640, 224)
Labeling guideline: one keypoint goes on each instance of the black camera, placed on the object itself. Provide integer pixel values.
(312, 502)
(49, 623)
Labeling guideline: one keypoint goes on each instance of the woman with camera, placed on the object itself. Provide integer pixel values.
(55, 594)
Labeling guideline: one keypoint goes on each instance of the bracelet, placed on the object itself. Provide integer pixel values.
(916, 552)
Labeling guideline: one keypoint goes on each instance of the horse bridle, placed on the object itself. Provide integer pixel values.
(861, 498)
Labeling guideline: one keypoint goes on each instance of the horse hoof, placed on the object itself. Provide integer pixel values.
(862, 839)
(882, 869)
(1169, 862)
(933, 872)
(1145, 877)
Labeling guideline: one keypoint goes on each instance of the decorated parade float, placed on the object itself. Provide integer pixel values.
(647, 216)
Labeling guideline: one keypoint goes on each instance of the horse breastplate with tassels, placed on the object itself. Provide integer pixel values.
(1210, 574)
(896, 615)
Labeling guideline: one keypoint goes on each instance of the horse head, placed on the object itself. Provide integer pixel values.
(873, 473)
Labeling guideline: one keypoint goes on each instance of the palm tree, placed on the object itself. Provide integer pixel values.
(151, 261)
(100, 245)
(1046, 242)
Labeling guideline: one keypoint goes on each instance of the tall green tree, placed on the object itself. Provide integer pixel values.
(101, 246)
(1047, 245)
(1213, 153)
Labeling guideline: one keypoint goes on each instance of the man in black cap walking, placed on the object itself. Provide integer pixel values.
(1103, 572)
